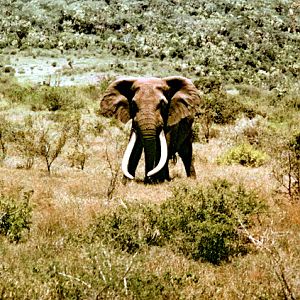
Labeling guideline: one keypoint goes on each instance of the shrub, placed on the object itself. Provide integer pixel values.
(203, 222)
(15, 216)
(243, 154)
(26, 141)
(200, 222)
(203, 129)
(223, 108)
(151, 286)
(56, 98)
(218, 107)
(44, 97)
(51, 145)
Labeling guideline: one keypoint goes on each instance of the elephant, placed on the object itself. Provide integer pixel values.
(162, 111)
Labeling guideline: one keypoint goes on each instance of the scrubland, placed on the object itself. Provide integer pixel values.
(72, 228)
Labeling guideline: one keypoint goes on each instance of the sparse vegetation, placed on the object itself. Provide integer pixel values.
(80, 233)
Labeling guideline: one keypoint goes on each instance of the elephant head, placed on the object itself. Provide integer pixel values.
(156, 106)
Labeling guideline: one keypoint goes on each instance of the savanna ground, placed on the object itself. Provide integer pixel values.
(71, 228)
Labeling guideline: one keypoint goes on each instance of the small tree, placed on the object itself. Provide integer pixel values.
(5, 128)
(39, 138)
(287, 169)
(113, 157)
(52, 143)
(79, 152)
(25, 138)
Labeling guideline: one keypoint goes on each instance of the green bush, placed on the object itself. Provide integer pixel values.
(52, 98)
(55, 98)
(15, 216)
(217, 105)
(203, 222)
(245, 155)
(200, 222)
(152, 286)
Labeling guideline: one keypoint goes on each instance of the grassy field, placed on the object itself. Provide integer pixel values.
(71, 228)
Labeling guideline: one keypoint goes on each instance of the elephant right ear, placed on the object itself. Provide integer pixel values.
(115, 102)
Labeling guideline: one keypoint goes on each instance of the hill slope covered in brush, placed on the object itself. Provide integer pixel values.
(237, 41)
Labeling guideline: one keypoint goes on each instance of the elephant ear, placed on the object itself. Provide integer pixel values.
(115, 102)
(185, 99)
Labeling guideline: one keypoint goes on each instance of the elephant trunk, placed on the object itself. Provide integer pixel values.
(155, 148)
(150, 151)
(163, 154)
(156, 152)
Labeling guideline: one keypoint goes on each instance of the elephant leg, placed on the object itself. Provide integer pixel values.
(163, 174)
(186, 154)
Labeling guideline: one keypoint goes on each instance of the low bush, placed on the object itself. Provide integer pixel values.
(243, 154)
(201, 222)
(15, 216)
(204, 222)
(152, 286)
(56, 98)
(44, 97)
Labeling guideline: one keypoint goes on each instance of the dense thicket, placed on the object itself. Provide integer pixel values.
(238, 40)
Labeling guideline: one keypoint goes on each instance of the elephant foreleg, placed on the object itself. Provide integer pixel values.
(163, 174)
(186, 154)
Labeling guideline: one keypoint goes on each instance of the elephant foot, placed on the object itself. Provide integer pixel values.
(159, 177)
(192, 172)
(153, 180)
(193, 175)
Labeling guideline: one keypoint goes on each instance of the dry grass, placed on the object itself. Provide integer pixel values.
(69, 200)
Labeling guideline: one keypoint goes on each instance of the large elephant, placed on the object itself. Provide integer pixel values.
(162, 112)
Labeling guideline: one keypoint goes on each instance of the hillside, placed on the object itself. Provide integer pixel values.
(236, 41)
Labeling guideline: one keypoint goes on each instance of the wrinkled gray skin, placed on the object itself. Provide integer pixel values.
(155, 104)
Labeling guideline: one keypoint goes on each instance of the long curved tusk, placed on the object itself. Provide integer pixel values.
(125, 160)
(163, 154)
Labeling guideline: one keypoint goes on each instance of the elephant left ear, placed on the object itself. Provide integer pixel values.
(185, 99)
(115, 101)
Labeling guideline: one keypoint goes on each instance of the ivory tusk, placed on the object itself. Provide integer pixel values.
(163, 154)
(126, 157)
